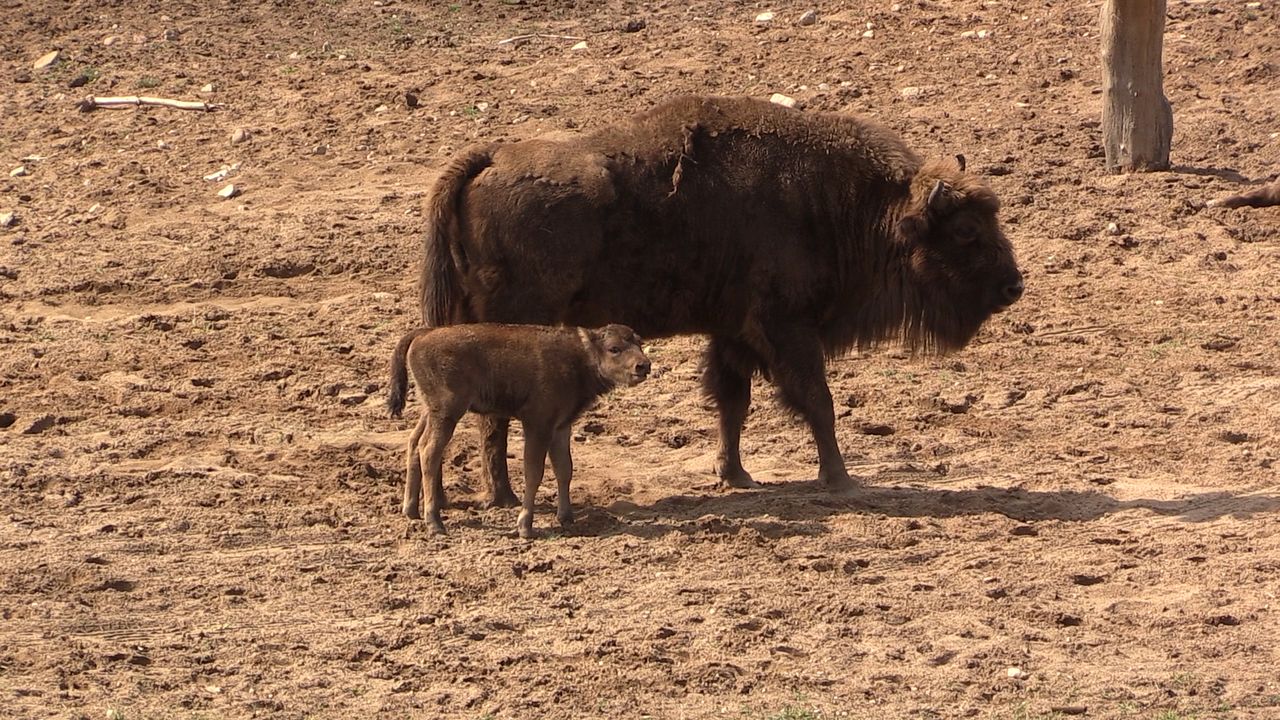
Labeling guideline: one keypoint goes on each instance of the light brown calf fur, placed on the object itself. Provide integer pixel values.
(543, 376)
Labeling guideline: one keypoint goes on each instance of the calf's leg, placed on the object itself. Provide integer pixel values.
(535, 462)
(413, 473)
(727, 379)
(562, 463)
(431, 452)
(493, 460)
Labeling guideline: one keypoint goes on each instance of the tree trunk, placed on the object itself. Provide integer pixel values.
(1137, 122)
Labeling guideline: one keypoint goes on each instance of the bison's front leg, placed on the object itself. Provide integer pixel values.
(727, 380)
(493, 460)
(562, 464)
(536, 442)
(798, 369)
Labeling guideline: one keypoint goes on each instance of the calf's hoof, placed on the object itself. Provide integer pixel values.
(524, 525)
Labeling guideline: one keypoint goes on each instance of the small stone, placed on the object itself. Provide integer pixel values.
(982, 34)
(172, 34)
(8, 219)
(162, 145)
(95, 209)
(320, 150)
(40, 424)
(239, 135)
(809, 17)
(47, 61)
(896, 7)
(110, 40)
(582, 45)
(764, 17)
(228, 192)
(783, 100)
(381, 109)
(1024, 531)
(869, 34)
(634, 25)
(482, 106)
(207, 88)
(1253, 5)
(878, 430)
(20, 171)
(22, 77)
(352, 398)
(967, 34)
(911, 92)
(1113, 229)
(80, 80)
(1015, 673)
(411, 99)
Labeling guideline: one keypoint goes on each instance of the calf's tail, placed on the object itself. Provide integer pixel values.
(400, 372)
(443, 255)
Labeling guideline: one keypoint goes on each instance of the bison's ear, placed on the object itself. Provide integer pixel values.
(912, 228)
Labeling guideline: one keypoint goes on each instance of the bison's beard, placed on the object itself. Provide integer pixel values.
(926, 317)
(941, 326)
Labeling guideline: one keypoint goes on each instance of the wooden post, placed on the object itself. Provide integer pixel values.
(1137, 122)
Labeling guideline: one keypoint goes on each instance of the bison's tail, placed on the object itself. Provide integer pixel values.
(400, 372)
(442, 254)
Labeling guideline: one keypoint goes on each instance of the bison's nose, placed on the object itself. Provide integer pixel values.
(1013, 291)
(642, 369)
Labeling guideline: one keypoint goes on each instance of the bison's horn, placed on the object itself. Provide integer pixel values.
(935, 195)
(960, 162)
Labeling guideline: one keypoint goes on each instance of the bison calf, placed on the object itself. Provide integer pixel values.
(543, 376)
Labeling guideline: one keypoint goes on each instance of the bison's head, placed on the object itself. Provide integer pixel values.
(617, 349)
(960, 268)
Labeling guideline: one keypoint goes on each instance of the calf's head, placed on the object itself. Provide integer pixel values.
(960, 266)
(617, 350)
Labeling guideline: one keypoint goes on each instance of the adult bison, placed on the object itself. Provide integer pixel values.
(787, 237)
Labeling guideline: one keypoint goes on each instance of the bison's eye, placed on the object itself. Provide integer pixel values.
(614, 349)
(965, 231)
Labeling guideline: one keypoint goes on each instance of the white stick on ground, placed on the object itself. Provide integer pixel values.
(93, 103)
(522, 38)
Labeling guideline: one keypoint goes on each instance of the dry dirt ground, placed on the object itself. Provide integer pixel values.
(198, 482)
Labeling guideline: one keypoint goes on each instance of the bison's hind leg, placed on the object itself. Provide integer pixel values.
(413, 472)
(562, 464)
(727, 379)
(431, 447)
(493, 460)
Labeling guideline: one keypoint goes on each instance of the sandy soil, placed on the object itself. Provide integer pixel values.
(198, 483)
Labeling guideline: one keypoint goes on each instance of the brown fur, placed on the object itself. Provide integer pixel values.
(545, 377)
(785, 236)
(1265, 196)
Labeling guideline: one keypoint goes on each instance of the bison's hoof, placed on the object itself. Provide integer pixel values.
(740, 480)
(435, 527)
(504, 500)
(411, 512)
(838, 481)
(566, 519)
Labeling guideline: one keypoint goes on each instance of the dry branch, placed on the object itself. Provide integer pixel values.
(93, 103)
(523, 38)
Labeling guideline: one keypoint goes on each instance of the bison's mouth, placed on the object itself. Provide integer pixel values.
(636, 378)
